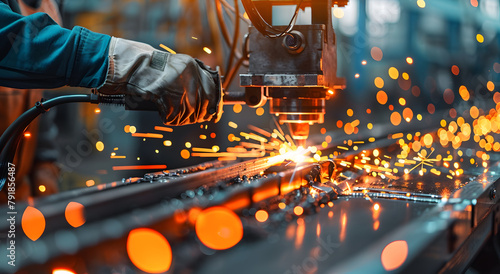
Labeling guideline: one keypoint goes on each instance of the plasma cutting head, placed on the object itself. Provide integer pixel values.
(299, 132)
(293, 67)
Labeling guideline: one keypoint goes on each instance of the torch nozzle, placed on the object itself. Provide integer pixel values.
(299, 132)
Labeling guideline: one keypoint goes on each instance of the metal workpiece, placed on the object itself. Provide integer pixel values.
(366, 232)
(327, 217)
(155, 198)
(318, 242)
(446, 238)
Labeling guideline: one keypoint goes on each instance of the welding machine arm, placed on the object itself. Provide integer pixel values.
(183, 89)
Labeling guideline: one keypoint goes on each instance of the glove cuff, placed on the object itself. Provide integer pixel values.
(107, 86)
(214, 110)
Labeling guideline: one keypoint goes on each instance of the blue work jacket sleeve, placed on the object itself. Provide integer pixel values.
(35, 52)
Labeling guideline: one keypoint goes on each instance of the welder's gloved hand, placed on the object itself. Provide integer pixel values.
(182, 88)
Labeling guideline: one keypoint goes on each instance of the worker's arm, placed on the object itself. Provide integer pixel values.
(35, 52)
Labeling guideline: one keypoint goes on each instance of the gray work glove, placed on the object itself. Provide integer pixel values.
(182, 88)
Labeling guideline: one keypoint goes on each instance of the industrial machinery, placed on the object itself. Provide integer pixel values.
(294, 67)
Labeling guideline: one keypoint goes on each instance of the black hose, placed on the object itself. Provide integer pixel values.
(12, 135)
(222, 25)
(262, 25)
(235, 37)
(25, 119)
(230, 74)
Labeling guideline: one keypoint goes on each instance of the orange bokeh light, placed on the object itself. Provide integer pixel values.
(464, 93)
(448, 96)
(490, 86)
(496, 67)
(431, 108)
(33, 223)
(193, 214)
(185, 154)
(496, 97)
(348, 128)
(428, 140)
(407, 114)
(396, 118)
(261, 216)
(382, 97)
(474, 112)
(415, 90)
(394, 255)
(379, 82)
(237, 108)
(219, 228)
(149, 250)
(298, 210)
(376, 53)
(75, 214)
(90, 183)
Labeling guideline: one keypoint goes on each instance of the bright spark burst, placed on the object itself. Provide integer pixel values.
(423, 161)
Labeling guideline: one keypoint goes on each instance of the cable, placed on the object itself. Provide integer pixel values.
(23, 121)
(230, 74)
(12, 135)
(215, 33)
(222, 25)
(229, 12)
(262, 26)
(229, 7)
(235, 37)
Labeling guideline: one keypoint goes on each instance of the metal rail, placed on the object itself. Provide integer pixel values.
(147, 201)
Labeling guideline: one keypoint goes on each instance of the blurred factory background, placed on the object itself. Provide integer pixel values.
(433, 47)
